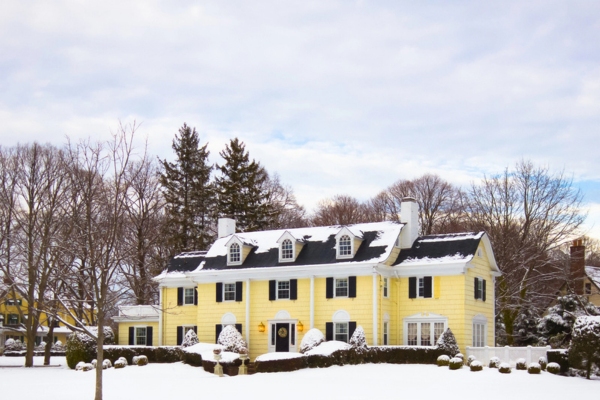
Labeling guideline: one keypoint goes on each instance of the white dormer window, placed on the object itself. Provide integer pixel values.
(287, 250)
(347, 243)
(235, 254)
(345, 246)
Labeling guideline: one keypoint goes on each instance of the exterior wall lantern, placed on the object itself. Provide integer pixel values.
(300, 326)
(261, 327)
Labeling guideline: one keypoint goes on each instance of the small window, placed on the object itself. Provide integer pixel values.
(341, 331)
(140, 336)
(229, 291)
(283, 289)
(385, 287)
(479, 289)
(13, 302)
(341, 287)
(13, 319)
(287, 250)
(478, 334)
(234, 253)
(412, 334)
(421, 291)
(386, 332)
(588, 288)
(426, 334)
(345, 246)
(188, 296)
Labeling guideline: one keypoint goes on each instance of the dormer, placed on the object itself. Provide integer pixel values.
(289, 247)
(237, 251)
(347, 243)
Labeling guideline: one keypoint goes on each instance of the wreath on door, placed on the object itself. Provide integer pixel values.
(282, 332)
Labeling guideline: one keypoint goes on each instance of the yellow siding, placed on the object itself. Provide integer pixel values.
(124, 331)
(210, 312)
(593, 298)
(174, 316)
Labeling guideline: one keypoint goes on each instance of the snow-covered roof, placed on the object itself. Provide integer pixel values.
(594, 274)
(137, 313)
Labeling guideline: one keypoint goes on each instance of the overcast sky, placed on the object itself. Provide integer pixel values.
(334, 96)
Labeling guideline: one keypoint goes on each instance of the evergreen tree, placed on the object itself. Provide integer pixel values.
(188, 193)
(242, 189)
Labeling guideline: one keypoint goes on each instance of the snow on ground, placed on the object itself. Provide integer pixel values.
(160, 381)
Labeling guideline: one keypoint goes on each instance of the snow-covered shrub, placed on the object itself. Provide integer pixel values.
(358, 340)
(470, 359)
(443, 360)
(232, 339)
(543, 362)
(504, 368)
(521, 364)
(94, 362)
(41, 346)
(80, 347)
(476, 365)
(141, 361)
(13, 345)
(123, 359)
(190, 339)
(447, 343)
(456, 363)
(120, 363)
(134, 360)
(557, 324)
(494, 362)
(79, 366)
(461, 356)
(553, 368)
(87, 367)
(311, 339)
(534, 368)
(106, 364)
(585, 345)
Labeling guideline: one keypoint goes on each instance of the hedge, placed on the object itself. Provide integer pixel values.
(229, 367)
(561, 357)
(284, 365)
(159, 355)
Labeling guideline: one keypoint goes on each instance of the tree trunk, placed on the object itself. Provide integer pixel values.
(100, 354)
(49, 343)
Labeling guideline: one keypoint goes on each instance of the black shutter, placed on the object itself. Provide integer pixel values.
(196, 296)
(219, 292)
(475, 288)
(195, 328)
(427, 281)
(483, 294)
(329, 289)
(412, 287)
(272, 334)
(272, 288)
(293, 333)
(352, 286)
(293, 289)
(179, 335)
(149, 336)
(238, 291)
(218, 329)
(238, 327)
(351, 329)
(131, 338)
(328, 330)
(179, 296)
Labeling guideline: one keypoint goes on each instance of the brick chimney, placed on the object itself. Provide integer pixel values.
(577, 265)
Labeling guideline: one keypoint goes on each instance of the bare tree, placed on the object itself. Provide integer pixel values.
(339, 210)
(287, 213)
(527, 212)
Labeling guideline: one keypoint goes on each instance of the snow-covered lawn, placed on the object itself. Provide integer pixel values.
(162, 381)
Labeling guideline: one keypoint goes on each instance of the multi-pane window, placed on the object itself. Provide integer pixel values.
(287, 251)
(13, 302)
(345, 246)
(386, 330)
(341, 287)
(421, 287)
(283, 289)
(234, 253)
(140, 336)
(13, 319)
(341, 331)
(478, 334)
(385, 287)
(438, 330)
(229, 291)
(411, 334)
(426, 334)
(188, 296)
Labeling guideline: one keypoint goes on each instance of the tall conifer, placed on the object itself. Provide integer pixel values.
(188, 193)
(242, 189)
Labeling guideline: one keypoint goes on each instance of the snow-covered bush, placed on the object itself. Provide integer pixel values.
(141, 361)
(556, 326)
(443, 360)
(358, 340)
(494, 362)
(87, 367)
(232, 340)
(543, 362)
(80, 347)
(79, 366)
(504, 368)
(120, 363)
(447, 343)
(461, 356)
(190, 339)
(521, 364)
(311, 339)
(106, 364)
(122, 359)
(470, 359)
(534, 368)
(476, 365)
(456, 363)
(13, 345)
(553, 368)
(95, 362)
(585, 346)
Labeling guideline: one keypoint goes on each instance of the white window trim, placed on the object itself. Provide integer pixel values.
(479, 320)
(386, 333)
(193, 296)
(353, 238)
(422, 278)
(335, 326)
(293, 257)
(419, 319)
(479, 286)
(135, 336)
(386, 288)
(224, 291)
(240, 247)
(293, 347)
(347, 279)
(277, 290)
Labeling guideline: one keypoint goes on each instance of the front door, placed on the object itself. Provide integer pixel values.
(282, 337)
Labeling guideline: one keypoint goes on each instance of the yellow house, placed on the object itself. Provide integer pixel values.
(138, 325)
(591, 285)
(276, 285)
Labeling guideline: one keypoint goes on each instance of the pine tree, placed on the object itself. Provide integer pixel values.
(188, 193)
(242, 189)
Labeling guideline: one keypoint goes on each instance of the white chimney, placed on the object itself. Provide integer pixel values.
(226, 227)
(409, 215)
